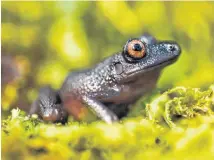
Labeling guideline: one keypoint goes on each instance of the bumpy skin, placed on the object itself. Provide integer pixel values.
(111, 86)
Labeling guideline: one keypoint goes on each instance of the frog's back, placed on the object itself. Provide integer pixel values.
(74, 81)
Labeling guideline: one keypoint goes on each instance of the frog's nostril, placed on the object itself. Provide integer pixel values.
(172, 48)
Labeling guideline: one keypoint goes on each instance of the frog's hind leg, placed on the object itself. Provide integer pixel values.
(48, 106)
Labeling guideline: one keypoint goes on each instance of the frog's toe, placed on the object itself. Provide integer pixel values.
(51, 115)
(111, 119)
(49, 118)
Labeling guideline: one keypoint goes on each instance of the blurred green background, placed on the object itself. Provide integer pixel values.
(43, 41)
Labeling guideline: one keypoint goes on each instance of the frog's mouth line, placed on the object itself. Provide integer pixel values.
(163, 64)
(151, 68)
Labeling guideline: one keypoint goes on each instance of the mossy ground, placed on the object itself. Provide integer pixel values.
(178, 124)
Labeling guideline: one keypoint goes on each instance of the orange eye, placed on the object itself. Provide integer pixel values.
(136, 49)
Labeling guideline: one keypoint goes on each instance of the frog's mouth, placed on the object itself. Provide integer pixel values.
(162, 64)
(152, 67)
(156, 68)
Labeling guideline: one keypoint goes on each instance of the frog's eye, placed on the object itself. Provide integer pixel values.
(135, 49)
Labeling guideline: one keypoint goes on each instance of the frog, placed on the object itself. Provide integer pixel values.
(111, 87)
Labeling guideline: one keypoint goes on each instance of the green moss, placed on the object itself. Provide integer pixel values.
(180, 102)
(178, 124)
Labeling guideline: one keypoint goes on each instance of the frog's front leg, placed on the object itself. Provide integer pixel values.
(48, 106)
(75, 106)
(100, 110)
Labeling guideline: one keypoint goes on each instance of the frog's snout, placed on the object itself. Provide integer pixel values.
(175, 48)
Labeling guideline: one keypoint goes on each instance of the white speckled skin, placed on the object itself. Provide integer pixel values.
(112, 85)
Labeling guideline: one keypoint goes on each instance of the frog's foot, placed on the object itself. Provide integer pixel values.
(101, 110)
(110, 118)
(48, 106)
(55, 114)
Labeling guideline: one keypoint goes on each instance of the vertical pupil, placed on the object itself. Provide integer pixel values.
(137, 47)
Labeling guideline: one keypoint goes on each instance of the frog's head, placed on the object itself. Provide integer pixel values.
(143, 55)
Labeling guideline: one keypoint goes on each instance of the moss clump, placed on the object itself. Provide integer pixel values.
(180, 102)
(136, 138)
